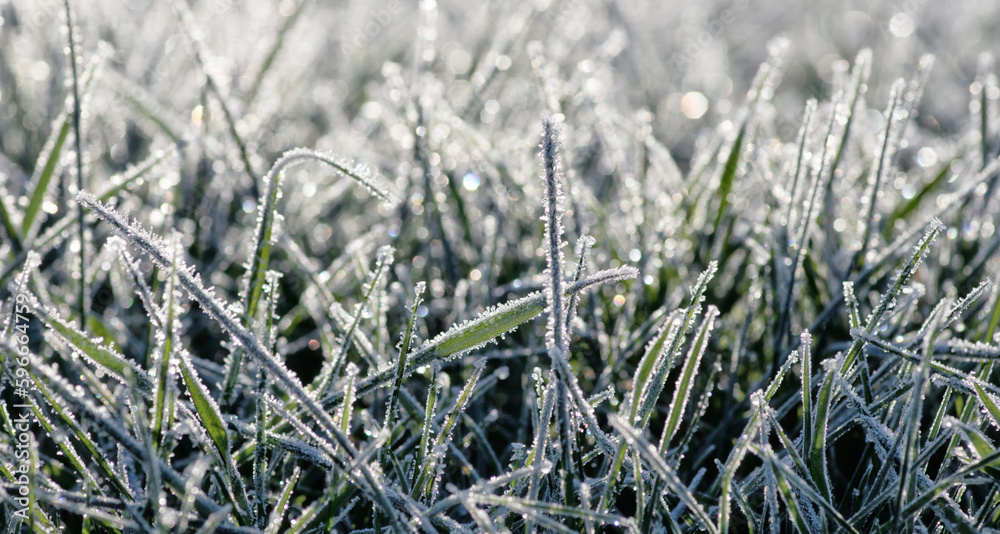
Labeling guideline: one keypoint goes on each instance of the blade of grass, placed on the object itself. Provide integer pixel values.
(165, 375)
(646, 449)
(94, 351)
(82, 305)
(211, 419)
(264, 238)
(685, 382)
(8, 224)
(52, 152)
(272, 53)
(791, 502)
(281, 507)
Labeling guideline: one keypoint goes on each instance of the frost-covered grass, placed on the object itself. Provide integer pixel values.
(520, 268)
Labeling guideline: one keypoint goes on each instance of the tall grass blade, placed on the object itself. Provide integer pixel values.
(281, 507)
(685, 381)
(648, 452)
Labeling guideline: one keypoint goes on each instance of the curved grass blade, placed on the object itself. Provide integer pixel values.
(264, 238)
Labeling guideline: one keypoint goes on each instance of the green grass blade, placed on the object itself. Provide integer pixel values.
(905, 209)
(264, 238)
(685, 382)
(165, 375)
(67, 450)
(8, 225)
(729, 175)
(272, 53)
(805, 344)
(84, 437)
(812, 494)
(791, 502)
(646, 449)
(449, 426)
(51, 153)
(211, 419)
(491, 324)
(723, 484)
(93, 350)
(260, 454)
(817, 447)
(281, 507)
(690, 316)
(652, 358)
(989, 402)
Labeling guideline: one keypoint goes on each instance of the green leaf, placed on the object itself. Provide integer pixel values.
(8, 224)
(471, 335)
(685, 383)
(281, 507)
(729, 175)
(123, 370)
(53, 150)
(211, 419)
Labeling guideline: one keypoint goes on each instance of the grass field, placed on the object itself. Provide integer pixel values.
(569, 266)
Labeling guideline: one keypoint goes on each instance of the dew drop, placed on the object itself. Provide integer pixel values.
(470, 182)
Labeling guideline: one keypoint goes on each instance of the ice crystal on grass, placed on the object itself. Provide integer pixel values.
(237, 369)
(552, 217)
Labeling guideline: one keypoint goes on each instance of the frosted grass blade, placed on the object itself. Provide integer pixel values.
(281, 507)
(636, 441)
(170, 309)
(211, 419)
(52, 152)
(685, 382)
(264, 238)
(94, 351)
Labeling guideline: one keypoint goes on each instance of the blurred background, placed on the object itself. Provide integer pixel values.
(688, 63)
